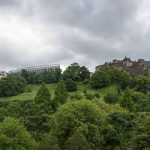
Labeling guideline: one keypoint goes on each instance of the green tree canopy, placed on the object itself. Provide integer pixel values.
(61, 93)
(43, 95)
(70, 85)
(12, 85)
(111, 98)
(14, 136)
(79, 123)
(127, 101)
(143, 84)
(76, 72)
(100, 79)
(141, 136)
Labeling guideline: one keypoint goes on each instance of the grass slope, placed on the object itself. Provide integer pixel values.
(102, 91)
(34, 88)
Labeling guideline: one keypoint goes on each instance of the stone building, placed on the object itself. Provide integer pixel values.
(140, 67)
(36, 69)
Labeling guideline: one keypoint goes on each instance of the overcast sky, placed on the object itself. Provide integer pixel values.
(36, 32)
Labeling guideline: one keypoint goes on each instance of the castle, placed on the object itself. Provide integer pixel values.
(140, 67)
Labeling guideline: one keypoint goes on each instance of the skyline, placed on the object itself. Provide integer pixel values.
(35, 32)
(63, 69)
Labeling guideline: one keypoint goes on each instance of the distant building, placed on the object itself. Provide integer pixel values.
(140, 67)
(3, 74)
(36, 69)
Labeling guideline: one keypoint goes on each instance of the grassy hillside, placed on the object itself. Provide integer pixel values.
(31, 90)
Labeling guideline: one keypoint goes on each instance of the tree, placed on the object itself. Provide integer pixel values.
(111, 98)
(43, 95)
(89, 96)
(84, 73)
(123, 124)
(12, 85)
(100, 79)
(127, 101)
(50, 76)
(37, 113)
(141, 136)
(14, 136)
(26, 75)
(48, 142)
(77, 141)
(97, 96)
(70, 85)
(78, 124)
(76, 72)
(126, 80)
(14, 109)
(141, 101)
(36, 118)
(72, 72)
(3, 113)
(61, 94)
(143, 84)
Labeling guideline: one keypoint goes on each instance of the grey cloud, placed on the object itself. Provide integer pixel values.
(105, 18)
(7, 3)
(63, 31)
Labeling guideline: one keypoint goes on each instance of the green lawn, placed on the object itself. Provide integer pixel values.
(102, 91)
(30, 95)
(81, 87)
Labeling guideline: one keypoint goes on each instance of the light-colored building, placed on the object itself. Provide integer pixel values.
(3, 74)
(36, 69)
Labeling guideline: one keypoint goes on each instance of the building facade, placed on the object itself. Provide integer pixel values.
(140, 67)
(36, 69)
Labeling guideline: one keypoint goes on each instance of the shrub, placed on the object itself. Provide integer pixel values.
(70, 85)
(89, 96)
(76, 96)
(97, 95)
(12, 85)
(111, 98)
(86, 81)
(100, 79)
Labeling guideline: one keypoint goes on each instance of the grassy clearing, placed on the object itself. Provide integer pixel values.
(30, 94)
(103, 91)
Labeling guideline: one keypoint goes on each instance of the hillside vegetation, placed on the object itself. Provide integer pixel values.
(31, 90)
(75, 110)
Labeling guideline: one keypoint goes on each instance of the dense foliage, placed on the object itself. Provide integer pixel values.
(100, 79)
(141, 136)
(12, 85)
(76, 72)
(71, 118)
(111, 98)
(70, 85)
(107, 76)
(61, 93)
(14, 136)
(78, 125)
(51, 76)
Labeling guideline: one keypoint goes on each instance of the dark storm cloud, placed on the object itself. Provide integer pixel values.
(63, 31)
